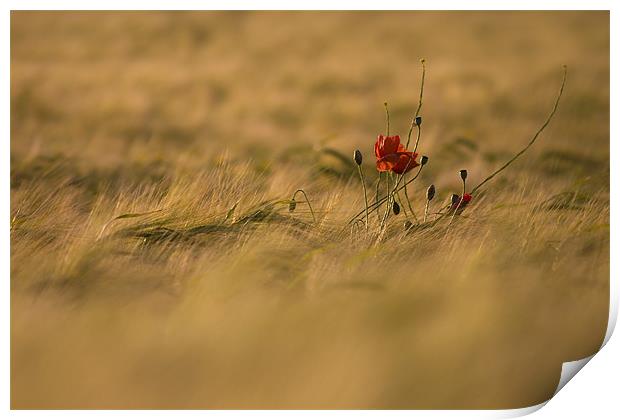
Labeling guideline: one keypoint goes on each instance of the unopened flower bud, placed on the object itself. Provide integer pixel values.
(292, 205)
(424, 160)
(463, 174)
(430, 192)
(455, 199)
(418, 120)
(357, 156)
(396, 208)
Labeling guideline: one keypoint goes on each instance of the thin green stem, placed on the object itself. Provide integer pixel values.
(379, 202)
(401, 177)
(417, 140)
(540, 130)
(409, 203)
(404, 208)
(377, 195)
(456, 209)
(307, 201)
(417, 111)
(410, 131)
(387, 207)
(387, 119)
(359, 168)
(458, 206)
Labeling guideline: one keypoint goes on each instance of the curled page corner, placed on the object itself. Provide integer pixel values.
(613, 315)
(520, 412)
(570, 369)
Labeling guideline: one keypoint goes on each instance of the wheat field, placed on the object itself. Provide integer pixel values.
(154, 259)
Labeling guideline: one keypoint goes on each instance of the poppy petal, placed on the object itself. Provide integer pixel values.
(378, 145)
(386, 163)
(390, 145)
(406, 162)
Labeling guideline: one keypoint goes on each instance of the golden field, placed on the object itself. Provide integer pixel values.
(197, 128)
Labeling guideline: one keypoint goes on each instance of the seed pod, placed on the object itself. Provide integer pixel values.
(424, 160)
(357, 156)
(418, 120)
(430, 192)
(292, 205)
(408, 225)
(396, 208)
(455, 199)
(463, 174)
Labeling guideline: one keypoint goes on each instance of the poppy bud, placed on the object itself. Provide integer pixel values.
(455, 199)
(418, 120)
(430, 192)
(357, 156)
(408, 225)
(424, 160)
(292, 205)
(396, 208)
(463, 174)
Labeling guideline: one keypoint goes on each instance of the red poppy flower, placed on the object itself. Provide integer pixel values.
(462, 203)
(406, 162)
(392, 155)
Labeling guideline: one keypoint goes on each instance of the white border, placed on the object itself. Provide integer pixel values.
(599, 383)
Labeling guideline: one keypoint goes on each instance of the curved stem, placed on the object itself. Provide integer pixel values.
(379, 202)
(456, 209)
(359, 168)
(417, 140)
(540, 130)
(458, 206)
(409, 204)
(417, 111)
(307, 201)
(404, 208)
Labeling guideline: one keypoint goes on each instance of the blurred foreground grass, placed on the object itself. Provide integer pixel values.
(186, 115)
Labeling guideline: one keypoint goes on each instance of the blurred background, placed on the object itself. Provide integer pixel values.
(108, 88)
(110, 111)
